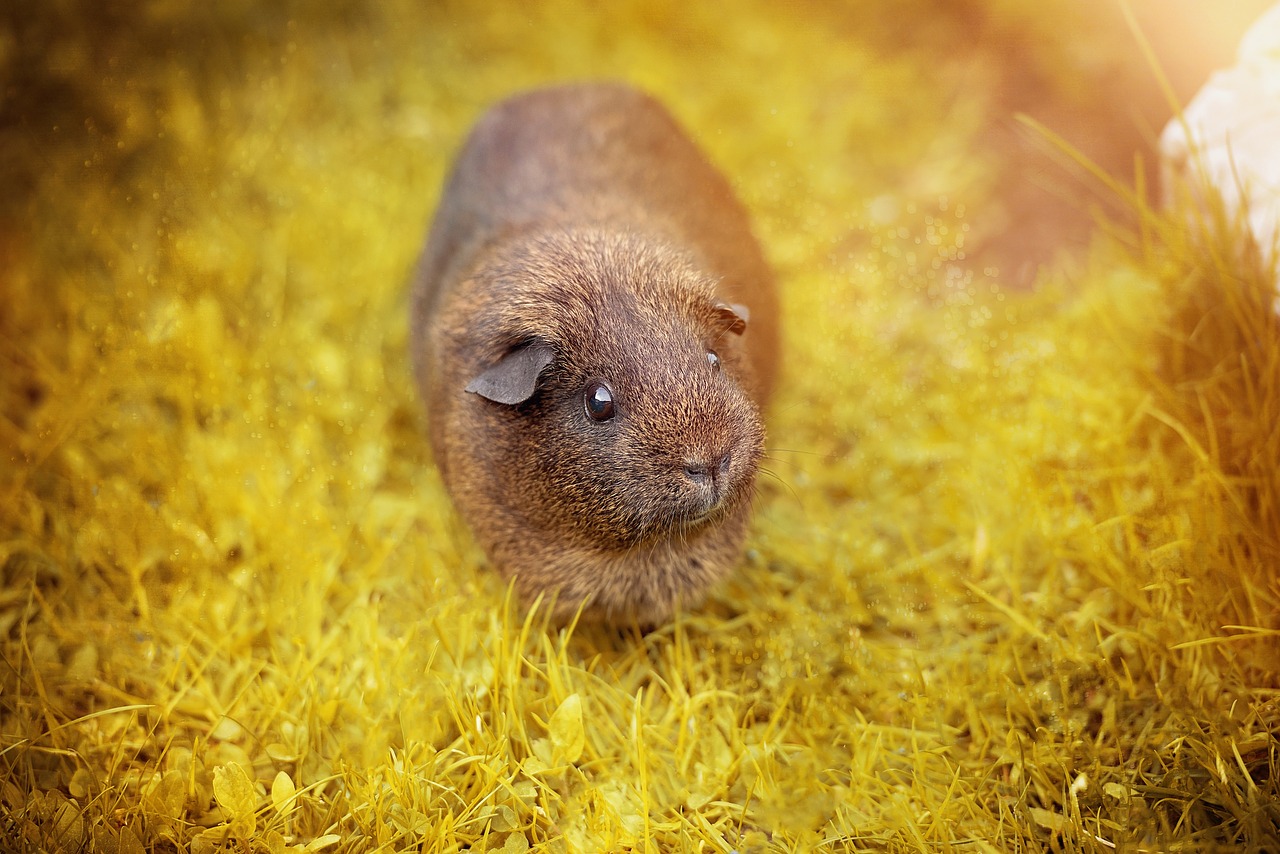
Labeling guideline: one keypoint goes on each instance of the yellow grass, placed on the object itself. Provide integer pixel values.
(1013, 585)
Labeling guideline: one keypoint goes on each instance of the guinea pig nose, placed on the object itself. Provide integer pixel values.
(725, 459)
(698, 472)
(704, 471)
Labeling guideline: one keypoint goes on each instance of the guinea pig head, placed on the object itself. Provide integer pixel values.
(611, 389)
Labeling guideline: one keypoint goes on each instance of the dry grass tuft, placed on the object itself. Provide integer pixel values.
(1013, 587)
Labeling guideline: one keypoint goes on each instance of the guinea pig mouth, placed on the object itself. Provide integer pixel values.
(704, 514)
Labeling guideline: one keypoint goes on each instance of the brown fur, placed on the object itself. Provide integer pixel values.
(583, 219)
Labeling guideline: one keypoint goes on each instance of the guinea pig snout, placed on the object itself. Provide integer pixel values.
(709, 478)
(709, 471)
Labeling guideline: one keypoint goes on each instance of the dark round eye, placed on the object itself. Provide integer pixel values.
(713, 360)
(598, 401)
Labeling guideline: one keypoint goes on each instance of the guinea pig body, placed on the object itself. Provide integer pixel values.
(594, 334)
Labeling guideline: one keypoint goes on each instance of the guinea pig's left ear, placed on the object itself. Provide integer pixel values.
(733, 315)
(515, 377)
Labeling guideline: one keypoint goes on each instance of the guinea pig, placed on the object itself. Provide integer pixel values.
(594, 331)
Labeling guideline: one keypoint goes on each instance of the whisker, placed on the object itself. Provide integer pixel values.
(780, 479)
(769, 451)
(773, 408)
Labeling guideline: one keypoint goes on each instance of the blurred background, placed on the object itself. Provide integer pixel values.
(86, 89)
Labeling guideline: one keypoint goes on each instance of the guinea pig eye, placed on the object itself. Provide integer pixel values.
(598, 402)
(713, 360)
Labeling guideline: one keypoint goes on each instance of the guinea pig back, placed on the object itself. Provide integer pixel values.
(594, 332)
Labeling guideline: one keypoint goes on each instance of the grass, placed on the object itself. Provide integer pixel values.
(1013, 588)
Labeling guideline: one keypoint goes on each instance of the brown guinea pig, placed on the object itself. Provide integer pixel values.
(594, 331)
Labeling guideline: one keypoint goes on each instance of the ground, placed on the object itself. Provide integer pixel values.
(1012, 579)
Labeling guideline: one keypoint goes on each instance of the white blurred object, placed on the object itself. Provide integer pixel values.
(1234, 145)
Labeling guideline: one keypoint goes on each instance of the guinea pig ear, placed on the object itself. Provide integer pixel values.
(733, 315)
(515, 377)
